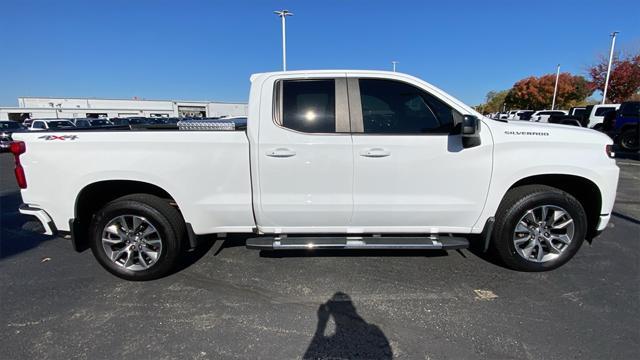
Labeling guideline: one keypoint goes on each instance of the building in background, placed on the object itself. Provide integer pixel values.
(42, 107)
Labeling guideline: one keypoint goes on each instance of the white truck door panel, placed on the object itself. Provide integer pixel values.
(410, 174)
(305, 167)
(422, 181)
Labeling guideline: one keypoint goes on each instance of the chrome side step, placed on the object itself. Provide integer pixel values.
(433, 242)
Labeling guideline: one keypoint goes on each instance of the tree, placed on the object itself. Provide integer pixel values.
(493, 102)
(537, 93)
(624, 80)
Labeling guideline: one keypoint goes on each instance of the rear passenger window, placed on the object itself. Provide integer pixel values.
(38, 125)
(393, 107)
(308, 105)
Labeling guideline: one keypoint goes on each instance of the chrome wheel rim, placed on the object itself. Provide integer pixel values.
(131, 241)
(543, 233)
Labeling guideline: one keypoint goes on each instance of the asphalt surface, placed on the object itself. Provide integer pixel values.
(59, 304)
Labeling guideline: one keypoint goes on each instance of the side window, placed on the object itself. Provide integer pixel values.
(393, 107)
(603, 110)
(308, 105)
(38, 125)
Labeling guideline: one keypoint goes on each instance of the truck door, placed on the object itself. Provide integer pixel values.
(305, 160)
(411, 173)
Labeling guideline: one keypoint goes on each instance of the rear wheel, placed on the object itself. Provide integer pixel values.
(629, 140)
(538, 228)
(138, 237)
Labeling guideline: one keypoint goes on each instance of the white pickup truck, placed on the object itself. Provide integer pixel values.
(328, 160)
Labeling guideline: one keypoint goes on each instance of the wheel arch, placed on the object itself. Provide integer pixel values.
(95, 195)
(583, 189)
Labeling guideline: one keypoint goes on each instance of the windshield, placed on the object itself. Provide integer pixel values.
(60, 124)
(9, 125)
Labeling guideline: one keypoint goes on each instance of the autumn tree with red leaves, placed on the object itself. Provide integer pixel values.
(624, 80)
(536, 93)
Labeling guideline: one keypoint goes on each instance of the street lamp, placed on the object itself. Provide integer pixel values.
(606, 81)
(555, 89)
(394, 65)
(283, 14)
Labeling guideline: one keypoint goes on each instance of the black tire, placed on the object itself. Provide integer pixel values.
(513, 207)
(166, 219)
(628, 140)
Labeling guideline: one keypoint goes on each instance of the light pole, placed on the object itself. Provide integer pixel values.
(283, 14)
(606, 81)
(555, 89)
(394, 63)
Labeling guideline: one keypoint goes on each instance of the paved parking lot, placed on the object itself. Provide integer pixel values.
(55, 303)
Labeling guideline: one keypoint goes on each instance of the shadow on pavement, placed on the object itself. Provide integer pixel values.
(18, 233)
(625, 217)
(353, 337)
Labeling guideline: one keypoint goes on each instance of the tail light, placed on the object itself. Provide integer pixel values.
(609, 150)
(18, 148)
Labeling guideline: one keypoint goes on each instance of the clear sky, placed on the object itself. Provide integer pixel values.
(206, 50)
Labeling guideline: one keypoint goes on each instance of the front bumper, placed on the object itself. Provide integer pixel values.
(602, 223)
(42, 216)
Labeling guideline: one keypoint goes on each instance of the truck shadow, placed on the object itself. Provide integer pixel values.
(18, 233)
(352, 337)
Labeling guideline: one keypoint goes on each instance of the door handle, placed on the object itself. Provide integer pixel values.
(281, 153)
(375, 153)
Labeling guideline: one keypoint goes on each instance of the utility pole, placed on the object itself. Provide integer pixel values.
(283, 14)
(606, 81)
(555, 89)
(394, 65)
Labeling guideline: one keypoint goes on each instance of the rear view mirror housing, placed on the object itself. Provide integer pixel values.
(470, 131)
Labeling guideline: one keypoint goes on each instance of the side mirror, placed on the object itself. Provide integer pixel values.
(470, 130)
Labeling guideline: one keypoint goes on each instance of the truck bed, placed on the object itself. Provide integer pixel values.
(206, 172)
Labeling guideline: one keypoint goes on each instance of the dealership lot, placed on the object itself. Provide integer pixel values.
(55, 303)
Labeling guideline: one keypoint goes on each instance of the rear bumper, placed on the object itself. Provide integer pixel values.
(42, 216)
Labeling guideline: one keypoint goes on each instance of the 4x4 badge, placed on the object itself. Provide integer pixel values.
(56, 137)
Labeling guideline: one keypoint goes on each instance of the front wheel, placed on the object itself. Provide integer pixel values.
(138, 237)
(538, 228)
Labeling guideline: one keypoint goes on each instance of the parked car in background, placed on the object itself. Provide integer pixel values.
(81, 122)
(574, 117)
(543, 115)
(55, 124)
(91, 122)
(524, 115)
(623, 125)
(100, 122)
(130, 121)
(594, 115)
(577, 111)
(6, 129)
(512, 113)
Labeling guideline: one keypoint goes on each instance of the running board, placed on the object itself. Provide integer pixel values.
(433, 242)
